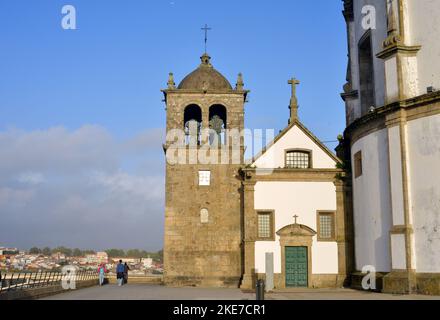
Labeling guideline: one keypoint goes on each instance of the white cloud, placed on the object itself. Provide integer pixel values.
(121, 182)
(57, 150)
(31, 178)
(17, 197)
(81, 188)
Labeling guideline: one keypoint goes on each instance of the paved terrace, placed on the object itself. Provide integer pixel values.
(157, 292)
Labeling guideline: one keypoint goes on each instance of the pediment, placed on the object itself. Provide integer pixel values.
(293, 230)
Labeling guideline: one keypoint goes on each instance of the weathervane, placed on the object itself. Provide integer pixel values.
(206, 29)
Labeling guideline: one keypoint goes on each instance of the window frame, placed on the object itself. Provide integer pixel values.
(366, 38)
(207, 215)
(271, 214)
(198, 178)
(308, 151)
(318, 225)
(357, 164)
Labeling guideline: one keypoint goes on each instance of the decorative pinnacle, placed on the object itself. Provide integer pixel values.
(240, 84)
(171, 83)
(206, 60)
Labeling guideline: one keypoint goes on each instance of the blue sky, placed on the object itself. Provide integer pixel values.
(98, 88)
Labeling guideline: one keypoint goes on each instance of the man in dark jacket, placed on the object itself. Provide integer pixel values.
(120, 269)
(126, 268)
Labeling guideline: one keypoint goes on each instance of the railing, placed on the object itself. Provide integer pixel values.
(30, 280)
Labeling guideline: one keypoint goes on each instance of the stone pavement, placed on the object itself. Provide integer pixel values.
(154, 292)
(340, 294)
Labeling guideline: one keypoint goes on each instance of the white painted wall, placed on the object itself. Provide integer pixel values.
(294, 138)
(372, 203)
(422, 27)
(424, 30)
(398, 252)
(392, 84)
(378, 35)
(424, 171)
(396, 181)
(302, 199)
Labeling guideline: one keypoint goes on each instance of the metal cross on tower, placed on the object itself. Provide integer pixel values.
(206, 29)
(295, 217)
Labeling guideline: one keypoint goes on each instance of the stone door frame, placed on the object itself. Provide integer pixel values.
(296, 235)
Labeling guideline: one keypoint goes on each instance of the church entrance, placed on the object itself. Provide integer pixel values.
(296, 266)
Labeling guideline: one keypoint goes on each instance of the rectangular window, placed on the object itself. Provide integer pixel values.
(298, 159)
(366, 73)
(326, 226)
(358, 164)
(266, 226)
(204, 178)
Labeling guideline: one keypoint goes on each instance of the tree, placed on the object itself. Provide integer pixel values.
(77, 252)
(115, 253)
(63, 250)
(160, 255)
(134, 253)
(46, 251)
(34, 250)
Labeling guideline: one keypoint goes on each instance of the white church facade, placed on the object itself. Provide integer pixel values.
(280, 217)
(392, 140)
(294, 198)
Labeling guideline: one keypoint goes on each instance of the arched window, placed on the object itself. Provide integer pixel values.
(298, 159)
(217, 124)
(366, 73)
(192, 122)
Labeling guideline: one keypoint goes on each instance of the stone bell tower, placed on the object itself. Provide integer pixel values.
(203, 216)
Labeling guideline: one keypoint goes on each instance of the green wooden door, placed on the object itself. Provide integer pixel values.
(296, 266)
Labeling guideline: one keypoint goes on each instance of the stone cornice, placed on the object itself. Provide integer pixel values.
(293, 230)
(293, 175)
(353, 94)
(397, 48)
(237, 92)
(417, 107)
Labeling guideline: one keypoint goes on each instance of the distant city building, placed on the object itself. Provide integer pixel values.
(147, 262)
(102, 257)
(8, 251)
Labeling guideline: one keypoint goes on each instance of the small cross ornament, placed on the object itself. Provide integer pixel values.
(295, 217)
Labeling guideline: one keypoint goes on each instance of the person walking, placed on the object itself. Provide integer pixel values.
(126, 268)
(102, 270)
(120, 273)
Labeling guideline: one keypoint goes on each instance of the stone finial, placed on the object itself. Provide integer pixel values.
(206, 60)
(240, 84)
(393, 37)
(171, 83)
(391, 19)
(293, 100)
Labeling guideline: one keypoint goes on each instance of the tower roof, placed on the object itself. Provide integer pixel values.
(205, 77)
